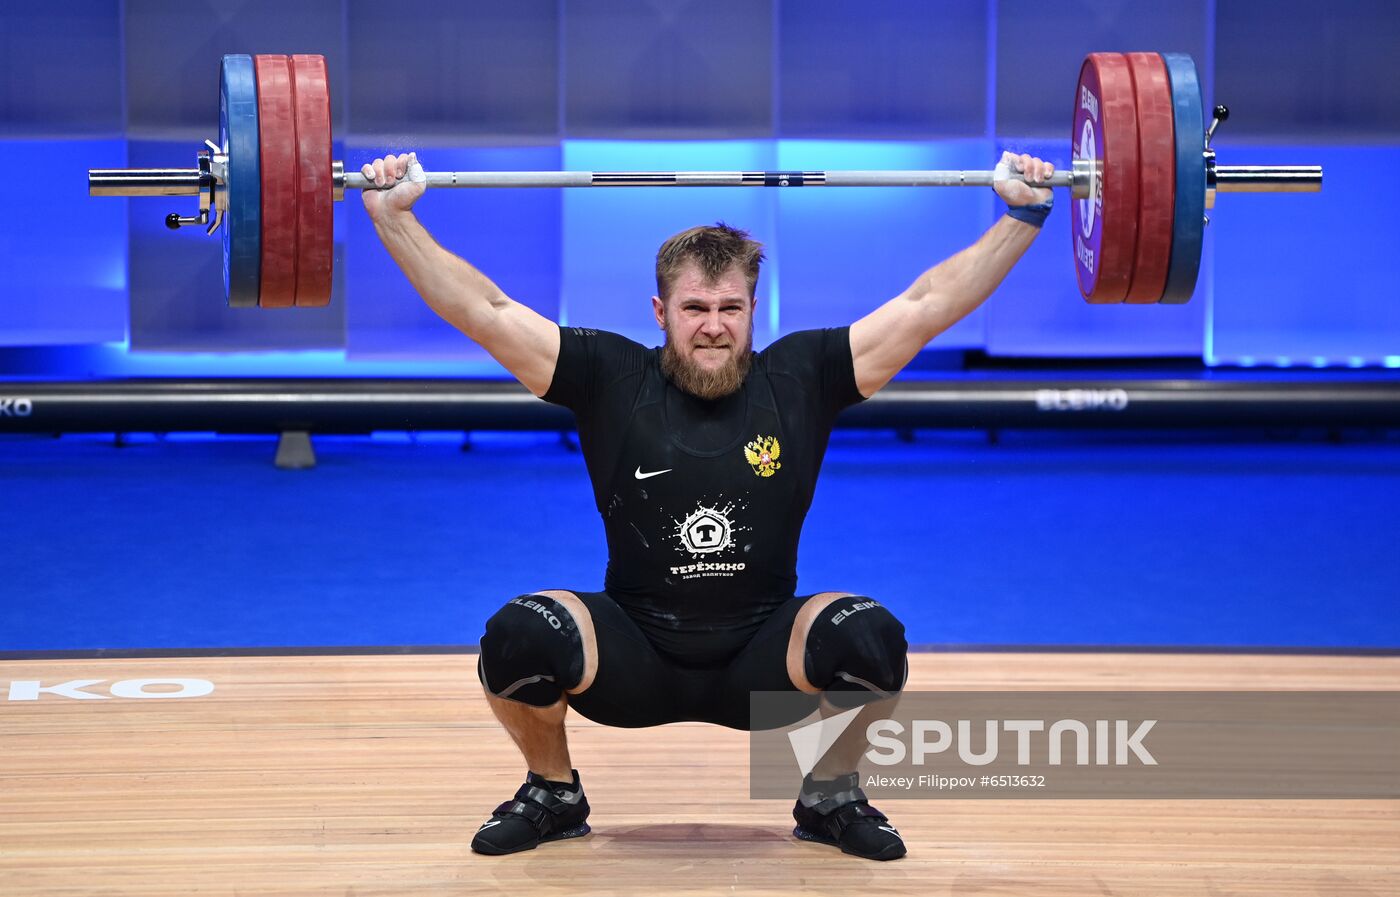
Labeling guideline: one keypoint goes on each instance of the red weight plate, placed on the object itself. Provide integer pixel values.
(1157, 184)
(277, 137)
(315, 243)
(1105, 136)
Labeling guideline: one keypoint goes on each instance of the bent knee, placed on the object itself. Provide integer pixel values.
(533, 649)
(856, 644)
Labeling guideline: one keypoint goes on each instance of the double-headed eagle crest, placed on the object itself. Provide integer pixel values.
(762, 455)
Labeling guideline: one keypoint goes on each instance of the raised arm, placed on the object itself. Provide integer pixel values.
(523, 341)
(888, 338)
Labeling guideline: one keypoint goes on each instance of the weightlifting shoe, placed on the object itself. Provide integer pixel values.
(836, 812)
(541, 811)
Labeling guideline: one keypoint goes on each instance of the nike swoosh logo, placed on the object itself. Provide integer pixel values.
(886, 828)
(655, 473)
(489, 824)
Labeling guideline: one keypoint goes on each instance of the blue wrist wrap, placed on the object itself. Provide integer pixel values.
(1033, 214)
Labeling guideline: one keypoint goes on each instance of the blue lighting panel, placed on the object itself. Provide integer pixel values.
(611, 235)
(669, 70)
(460, 72)
(61, 69)
(512, 236)
(1341, 84)
(1040, 46)
(64, 252)
(846, 250)
(899, 69)
(115, 360)
(1039, 313)
(172, 52)
(1308, 275)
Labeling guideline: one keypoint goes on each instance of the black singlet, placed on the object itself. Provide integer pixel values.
(703, 502)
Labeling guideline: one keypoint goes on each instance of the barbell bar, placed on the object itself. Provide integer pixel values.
(1142, 175)
(187, 181)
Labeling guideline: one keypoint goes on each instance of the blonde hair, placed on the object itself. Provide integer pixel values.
(714, 249)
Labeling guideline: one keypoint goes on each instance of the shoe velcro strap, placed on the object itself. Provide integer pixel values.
(850, 814)
(532, 812)
(542, 796)
(833, 802)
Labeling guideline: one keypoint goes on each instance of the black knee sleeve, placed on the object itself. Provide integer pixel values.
(531, 652)
(856, 647)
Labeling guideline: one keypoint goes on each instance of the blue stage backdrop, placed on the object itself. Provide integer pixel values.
(1193, 540)
(1292, 280)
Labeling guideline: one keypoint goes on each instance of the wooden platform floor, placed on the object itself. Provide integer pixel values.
(367, 775)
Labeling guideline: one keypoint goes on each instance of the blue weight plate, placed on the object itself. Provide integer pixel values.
(1188, 224)
(238, 136)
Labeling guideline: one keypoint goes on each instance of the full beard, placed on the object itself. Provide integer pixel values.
(704, 383)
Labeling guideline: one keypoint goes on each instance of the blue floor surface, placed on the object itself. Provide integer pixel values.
(1044, 539)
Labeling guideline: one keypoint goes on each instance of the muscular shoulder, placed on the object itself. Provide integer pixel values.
(589, 361)
(820, 360)
(601, 346)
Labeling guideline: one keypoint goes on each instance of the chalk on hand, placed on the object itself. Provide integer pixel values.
(1005, 168)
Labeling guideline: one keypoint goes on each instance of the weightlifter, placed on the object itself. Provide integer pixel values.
(704, 457)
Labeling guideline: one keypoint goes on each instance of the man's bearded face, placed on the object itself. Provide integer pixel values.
(709, 332)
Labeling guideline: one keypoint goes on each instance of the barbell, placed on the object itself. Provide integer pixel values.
(1142, 177)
